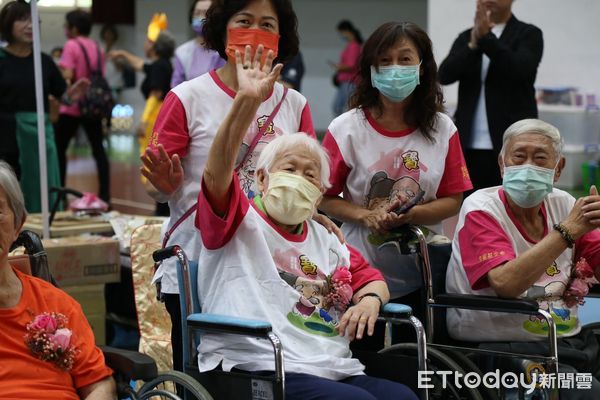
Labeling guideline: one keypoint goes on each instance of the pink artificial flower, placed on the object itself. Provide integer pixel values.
(341, 275)
(44, 322)
(578, 288)
(345, 293)
(583, 269)
(60, 339)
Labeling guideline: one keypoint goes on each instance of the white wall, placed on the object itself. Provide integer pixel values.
(320, 42)
(571, 33)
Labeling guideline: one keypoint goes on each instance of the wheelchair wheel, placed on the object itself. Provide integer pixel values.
(469, 365)
(163, 387)
(438, 361)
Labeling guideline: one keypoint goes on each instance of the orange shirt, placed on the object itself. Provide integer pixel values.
(23, 375)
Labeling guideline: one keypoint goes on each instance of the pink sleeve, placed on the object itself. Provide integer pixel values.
(217, 231)
(362, 272)
(306, 122)
(69, 55)
(171, 128)
(456, 176)
(588, 247)
(339, 169)
(483, 246)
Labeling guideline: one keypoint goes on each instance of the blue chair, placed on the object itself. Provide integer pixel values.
(245, 385)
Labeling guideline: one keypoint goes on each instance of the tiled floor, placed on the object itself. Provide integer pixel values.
(127, 193)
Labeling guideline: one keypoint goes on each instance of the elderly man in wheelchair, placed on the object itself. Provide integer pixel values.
(528, 240)
(266, 259)
(47, 348)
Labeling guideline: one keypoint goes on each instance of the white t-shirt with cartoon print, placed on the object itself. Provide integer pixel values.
(187, 124)
(250, 268)
(373, 166)
(488, 235)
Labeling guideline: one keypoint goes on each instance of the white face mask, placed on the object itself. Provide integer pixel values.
(290, 199)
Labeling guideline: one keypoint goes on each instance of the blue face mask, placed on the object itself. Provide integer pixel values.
(528, 185)
(396, 82)
(197, 24)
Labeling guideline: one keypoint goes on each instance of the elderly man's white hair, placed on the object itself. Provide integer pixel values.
(14, 195)
(533, 126)
(279, 145)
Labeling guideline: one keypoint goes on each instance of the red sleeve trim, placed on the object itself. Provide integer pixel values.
(483, 247)
(588, 247)
(171, 127)
(217, 231)
(456, 175)
(306, 122)
(362, 272)
(339, 169)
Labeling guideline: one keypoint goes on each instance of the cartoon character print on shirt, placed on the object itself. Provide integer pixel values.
(246, 171)
(549, 298)
(313, 312)
(396, 176)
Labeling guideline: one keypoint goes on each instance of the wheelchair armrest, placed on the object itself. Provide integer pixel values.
(227, 324)
(394, 310)
(486, 303)
(130, 364)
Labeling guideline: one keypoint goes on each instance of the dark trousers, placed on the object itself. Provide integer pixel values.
(172, 306)
(483, 168)
(66, 128)
(361, 387)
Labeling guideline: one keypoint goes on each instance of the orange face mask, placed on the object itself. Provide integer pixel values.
(239, 38)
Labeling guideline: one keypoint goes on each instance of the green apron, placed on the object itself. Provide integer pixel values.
(27, 139)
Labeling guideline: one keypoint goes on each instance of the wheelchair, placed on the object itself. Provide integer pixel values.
(127, 365)
(446, 354)
(257, 386)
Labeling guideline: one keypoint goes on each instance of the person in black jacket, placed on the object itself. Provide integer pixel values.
(495, 63)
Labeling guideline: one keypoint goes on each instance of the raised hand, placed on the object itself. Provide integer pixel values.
(164, 173)
(481, 25)
(255, 80)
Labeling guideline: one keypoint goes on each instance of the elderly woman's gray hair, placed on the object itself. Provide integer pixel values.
(533, 126)
(269, 154)
(10, 185)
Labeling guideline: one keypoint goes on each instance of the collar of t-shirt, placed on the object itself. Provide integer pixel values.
(261, 206)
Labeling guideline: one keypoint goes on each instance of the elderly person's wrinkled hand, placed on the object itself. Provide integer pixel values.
(254, 79)
(356, 318)
(329, 225)
(164, 173)
(585, 215)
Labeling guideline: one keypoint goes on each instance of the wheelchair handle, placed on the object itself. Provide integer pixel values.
(162, 254)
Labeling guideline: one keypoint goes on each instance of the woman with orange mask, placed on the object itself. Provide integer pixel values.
(192, 112)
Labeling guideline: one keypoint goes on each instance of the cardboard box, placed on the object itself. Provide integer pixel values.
(91, 299)
(83, 260)
(67, 224)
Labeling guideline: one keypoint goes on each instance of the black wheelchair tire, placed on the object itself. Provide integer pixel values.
(436, 360)
(191, 386)
(468, 365)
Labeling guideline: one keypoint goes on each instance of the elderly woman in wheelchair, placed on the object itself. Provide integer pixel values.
(528, 240)
(46, 345)
(266, 259)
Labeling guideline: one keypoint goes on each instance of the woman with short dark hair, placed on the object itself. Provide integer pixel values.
(18, 110)
(395, 148)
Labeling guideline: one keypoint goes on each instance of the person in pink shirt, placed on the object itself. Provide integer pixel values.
(346, 70)
(73, 66)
